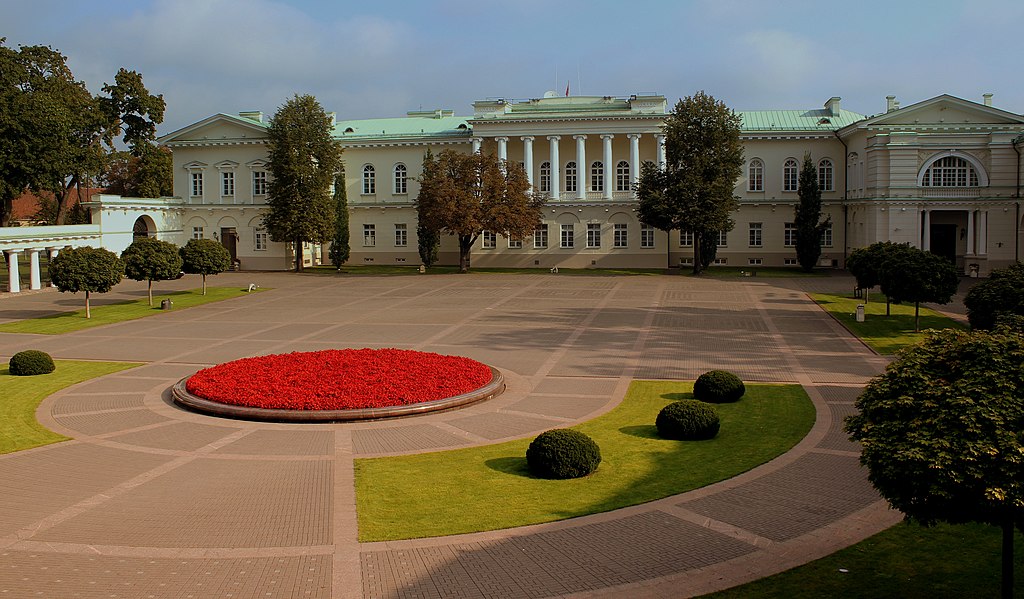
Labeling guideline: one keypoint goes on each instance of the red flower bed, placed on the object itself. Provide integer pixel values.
(339, 379)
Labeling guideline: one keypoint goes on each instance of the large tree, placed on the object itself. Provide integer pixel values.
(204, 257)
(428, 243)
(694, 191)
(807, 217)
(466, 194)
(913, 275)
(54, 134)
(1001, 295)
(145, 173)
(149, 259)
(304, 159)
(940, 432)
(88, 269)
(340, 249)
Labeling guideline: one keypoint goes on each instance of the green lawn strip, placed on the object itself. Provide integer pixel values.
(771, 272)
(67, 322)
(884, 334)
(489, 487)
(907, 561)
(21, 395)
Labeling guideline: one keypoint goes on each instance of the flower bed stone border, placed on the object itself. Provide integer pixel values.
(195, 403)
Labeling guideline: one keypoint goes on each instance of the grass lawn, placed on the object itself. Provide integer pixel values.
(771, 272)
(68, 322)
(906, 561)
(885, 335)
(490, 487)
(21, 395)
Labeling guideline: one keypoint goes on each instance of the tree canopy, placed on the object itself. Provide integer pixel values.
(466, 194)
(807, 217)
(54, 135)
(941, 431)
(303, 160)
(144, 173)
(908, 274)
(149, 259)
(694, 191)
(204, 257)
(340, 249)
(1001, 295)
(88, 269)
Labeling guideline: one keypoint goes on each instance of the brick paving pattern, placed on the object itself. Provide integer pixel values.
(153, 501)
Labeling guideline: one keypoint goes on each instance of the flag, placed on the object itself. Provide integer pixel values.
(566, 89)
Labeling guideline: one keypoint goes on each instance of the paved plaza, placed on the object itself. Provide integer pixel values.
(150, 500)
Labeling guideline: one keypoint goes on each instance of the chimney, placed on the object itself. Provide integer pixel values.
(832, 105)
(891, 103)
(252, 115)
(334, 118)
(986, 99)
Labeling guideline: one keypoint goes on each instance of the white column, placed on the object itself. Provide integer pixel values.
(609, 168)
(13, 276)
(477, 142)
(556, 177)
(659, 141)
(502, 148)
(970, 233)
(926, 243)
(582, 172)
(53, 254)
(528, 157)
(634, 159)
(983, 233)
(33, 269)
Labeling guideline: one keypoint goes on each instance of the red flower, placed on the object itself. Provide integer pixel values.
(339, 379)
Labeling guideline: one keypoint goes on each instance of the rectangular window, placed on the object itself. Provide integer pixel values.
(754, 236)
(826, 236)
(227, 187)
(488, 240)
(514, 244)
(567, 237)
(260, 243)
(789, 262)
(646, 236)
(685, 238)
(369, 235)
(620, 239)
(401, 235)
(723, 238)
(593, 235)
(789, 235)
(754, 261)
(540, 237)
(259, 183)
(197, 185)
(197, 232)
(721, 261)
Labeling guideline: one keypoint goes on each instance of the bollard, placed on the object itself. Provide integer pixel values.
(860, 312)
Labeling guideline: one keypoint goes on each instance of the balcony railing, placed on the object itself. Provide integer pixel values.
(950, 192)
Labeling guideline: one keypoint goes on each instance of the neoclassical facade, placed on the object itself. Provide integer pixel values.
(943, 174)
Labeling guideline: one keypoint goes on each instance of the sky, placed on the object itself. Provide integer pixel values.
(384, 58)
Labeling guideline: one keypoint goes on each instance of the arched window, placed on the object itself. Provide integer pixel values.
(401, 179)
(545, 177)
(369, 179)
(755, 175)
(950, 171)
(622, 176)
(570, 177)
(789, 175)
(140, 228)
(826, 181)
(597, 176)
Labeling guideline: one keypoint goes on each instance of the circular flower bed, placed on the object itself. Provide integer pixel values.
(365, 383)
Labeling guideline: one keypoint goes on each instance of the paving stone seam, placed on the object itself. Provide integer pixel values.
(839, 452)
(730, 530)
(346, 573)
(169, 552)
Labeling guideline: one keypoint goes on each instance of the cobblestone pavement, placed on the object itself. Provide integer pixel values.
(149, 500)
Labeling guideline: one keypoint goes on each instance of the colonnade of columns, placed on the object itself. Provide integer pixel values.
(14, 273)
(583, 180)
(977, 232)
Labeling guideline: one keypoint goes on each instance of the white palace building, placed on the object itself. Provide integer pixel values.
(943, 174)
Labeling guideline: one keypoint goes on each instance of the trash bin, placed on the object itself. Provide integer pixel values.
(166, 304)
(860, 312)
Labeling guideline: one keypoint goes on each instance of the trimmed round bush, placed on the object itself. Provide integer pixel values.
(718, 386)
(563, 453)
(688, 420)
(31, 362)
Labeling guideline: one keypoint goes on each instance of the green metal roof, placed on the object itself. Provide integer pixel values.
(821, 119)
(408, 127)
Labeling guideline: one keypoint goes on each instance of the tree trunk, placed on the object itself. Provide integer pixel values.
(668, 250)
(888, 306)
(1007, 578)
(298, 255)
(150, 290)
(697, 238)
(917, 312)
(465, 245)
(204, 283)
(88, 314)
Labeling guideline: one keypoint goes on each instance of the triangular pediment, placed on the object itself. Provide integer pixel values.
(217, 127)
(943, 110)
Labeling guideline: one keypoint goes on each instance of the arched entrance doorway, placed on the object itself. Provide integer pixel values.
(143, 227)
